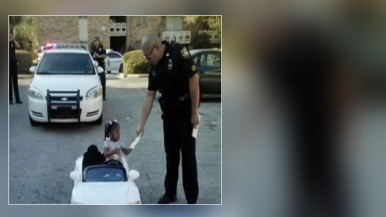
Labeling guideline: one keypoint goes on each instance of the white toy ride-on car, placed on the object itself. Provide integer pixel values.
(109, 183)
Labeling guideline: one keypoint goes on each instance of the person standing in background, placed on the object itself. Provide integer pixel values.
(13, 79)
(98, 53)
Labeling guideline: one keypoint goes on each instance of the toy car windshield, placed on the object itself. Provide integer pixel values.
(105, 173)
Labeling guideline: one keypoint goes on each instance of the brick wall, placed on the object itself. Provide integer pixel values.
(65, 29)
(95, 24)
(59, 29)
(154, 24)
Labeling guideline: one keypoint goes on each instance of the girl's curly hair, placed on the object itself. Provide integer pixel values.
(110, 126)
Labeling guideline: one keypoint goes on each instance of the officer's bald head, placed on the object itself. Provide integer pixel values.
(152, 48)
(148, 41)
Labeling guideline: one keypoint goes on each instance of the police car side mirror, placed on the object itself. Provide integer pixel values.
(95, 63)
(100, 69)
(32, 69)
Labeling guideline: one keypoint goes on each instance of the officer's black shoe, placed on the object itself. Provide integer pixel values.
(19, 102)
(165, 199)
(104, 98)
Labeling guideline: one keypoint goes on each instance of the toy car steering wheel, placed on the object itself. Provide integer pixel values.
(113, 162)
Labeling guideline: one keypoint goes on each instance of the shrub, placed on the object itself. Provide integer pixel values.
(25, 32)
(134, 62)
(25, 61)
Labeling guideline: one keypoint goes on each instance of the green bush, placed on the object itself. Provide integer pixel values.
(25, 32)
(25, 61)
(134, 62)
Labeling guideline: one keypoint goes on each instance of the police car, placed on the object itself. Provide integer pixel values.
(65, 88)
(108, 183)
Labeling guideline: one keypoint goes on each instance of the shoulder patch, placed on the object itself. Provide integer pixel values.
(185, 53)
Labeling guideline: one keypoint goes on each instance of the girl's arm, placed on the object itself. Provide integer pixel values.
(126, 151)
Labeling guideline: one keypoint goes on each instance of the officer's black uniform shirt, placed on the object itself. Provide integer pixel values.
(172, 73)
(12, 52)
(100, 51)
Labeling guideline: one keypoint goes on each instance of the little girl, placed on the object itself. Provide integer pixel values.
(111, 150)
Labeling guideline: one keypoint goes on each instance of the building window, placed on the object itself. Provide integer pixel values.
(174, 23)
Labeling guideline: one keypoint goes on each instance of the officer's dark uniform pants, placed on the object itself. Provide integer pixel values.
(178, 137)
(13, 81)
(102, 76)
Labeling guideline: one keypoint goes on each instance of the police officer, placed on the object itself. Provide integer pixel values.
(13, 79)
(174, 74)
(98, 53)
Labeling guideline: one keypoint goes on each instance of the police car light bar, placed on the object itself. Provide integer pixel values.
(68, 45)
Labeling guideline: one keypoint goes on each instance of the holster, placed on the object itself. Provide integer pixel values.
(178, 106)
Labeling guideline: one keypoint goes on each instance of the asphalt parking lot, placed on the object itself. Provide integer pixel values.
(41, 158)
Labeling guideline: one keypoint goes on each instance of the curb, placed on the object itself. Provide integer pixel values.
(133, 76)
(25, 76)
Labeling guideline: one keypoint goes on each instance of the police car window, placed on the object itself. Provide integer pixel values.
(113, 55)
(65, 63)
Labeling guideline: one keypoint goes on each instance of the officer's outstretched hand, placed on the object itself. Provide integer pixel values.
(195, 120)
(140, 130)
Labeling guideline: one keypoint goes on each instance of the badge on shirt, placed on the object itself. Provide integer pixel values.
(170, 64)
(194, 68)
(185, 53)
